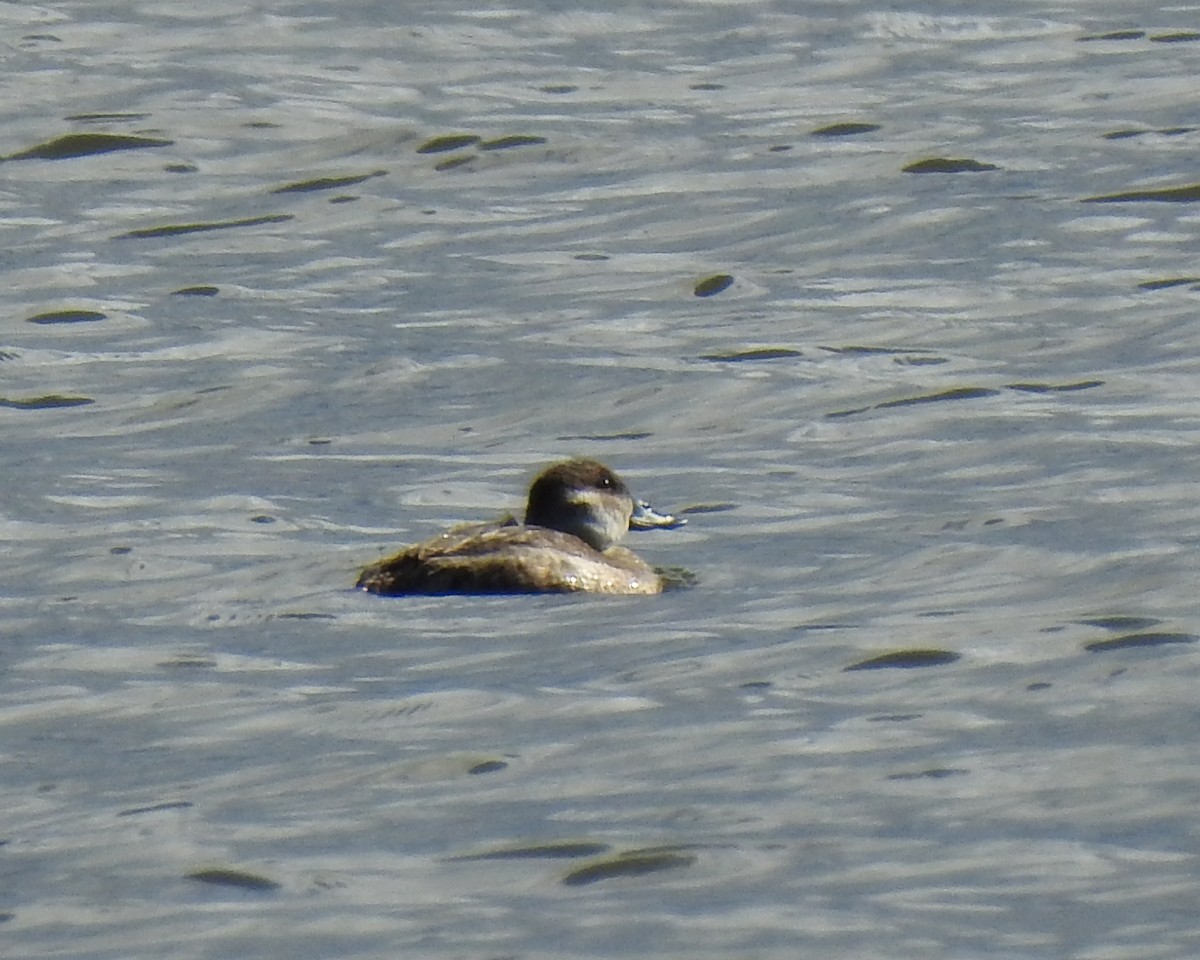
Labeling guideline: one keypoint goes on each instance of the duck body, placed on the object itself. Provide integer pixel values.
(577, 511)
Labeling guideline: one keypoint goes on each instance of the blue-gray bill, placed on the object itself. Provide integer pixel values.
(645, 517)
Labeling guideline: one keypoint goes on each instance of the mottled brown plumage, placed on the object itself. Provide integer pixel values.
(576, 512)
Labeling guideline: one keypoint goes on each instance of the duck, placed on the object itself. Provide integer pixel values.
(576, 513)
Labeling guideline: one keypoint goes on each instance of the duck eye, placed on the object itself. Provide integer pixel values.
(606, 482)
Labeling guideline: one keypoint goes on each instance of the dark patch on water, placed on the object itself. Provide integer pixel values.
(711, 286)
(559, 88)
(67, 316)
(179, 229)
(1054, 387)
(516, 140)
(1131, 640)
(239, 879)
(1188, 194)
(817, 627)
(759, 353)
(1120, 622)
(327, 183)
(708, 508)
(957, 393)
(155, 808)
(1130, 133)
(706, 86)
(107, 117)
(845, 129)
(1115, 35)
(948, 165)
(200, 291)
(1181, 36)
(854, 349)
(934, 773)
(963, 525)
(852, 411)
(1167, 283)
(540, 851)
(634, 863)
(85, 145)
(448, 142)
(601, 437)
(455, 162)
(676, 578)
(306, 616)
(907, 660)
(902, 356)
(487, 766)
(188, 661)
(49, 402)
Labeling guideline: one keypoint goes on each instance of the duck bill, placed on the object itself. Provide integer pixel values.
(645, 517)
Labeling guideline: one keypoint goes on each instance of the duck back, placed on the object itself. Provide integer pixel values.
(509, 558)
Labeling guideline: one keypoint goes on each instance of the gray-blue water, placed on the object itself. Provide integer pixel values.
(949, 415)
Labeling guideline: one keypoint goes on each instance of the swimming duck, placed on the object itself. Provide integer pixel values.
(577, 512)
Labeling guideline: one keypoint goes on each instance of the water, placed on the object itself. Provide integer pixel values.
(950, 412)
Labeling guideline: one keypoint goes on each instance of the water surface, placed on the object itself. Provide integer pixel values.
(898, 304)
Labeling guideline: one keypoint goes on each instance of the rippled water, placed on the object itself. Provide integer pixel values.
(898, 305)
